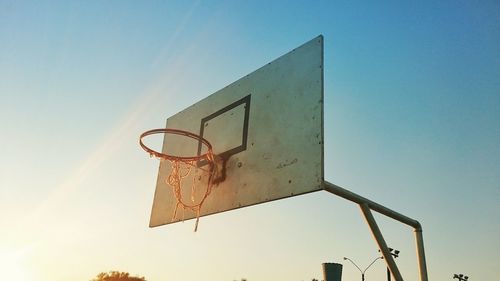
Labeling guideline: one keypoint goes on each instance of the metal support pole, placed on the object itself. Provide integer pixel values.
(389, 260)
(419, 240)
(353, 197)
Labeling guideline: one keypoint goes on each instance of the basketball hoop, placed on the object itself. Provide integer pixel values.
(182, 166)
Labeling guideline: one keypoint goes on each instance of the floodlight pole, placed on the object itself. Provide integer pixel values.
(366, 206)
(395, 254)
(460, 277)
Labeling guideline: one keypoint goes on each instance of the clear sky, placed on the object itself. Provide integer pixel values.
(412, 121)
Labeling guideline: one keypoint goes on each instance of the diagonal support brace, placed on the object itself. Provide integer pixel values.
(389, 260)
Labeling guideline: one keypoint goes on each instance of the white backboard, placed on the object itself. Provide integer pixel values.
(268, 124)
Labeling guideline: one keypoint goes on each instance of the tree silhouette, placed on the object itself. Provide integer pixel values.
(117, 276)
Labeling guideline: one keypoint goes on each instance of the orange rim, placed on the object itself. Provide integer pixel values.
(155, 153)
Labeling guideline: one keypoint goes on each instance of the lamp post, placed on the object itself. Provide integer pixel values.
(395, 254)
(460, 277)
(362, 271)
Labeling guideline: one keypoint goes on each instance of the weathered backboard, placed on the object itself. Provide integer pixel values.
(268, 124)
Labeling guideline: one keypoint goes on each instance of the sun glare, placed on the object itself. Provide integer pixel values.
(12, 268)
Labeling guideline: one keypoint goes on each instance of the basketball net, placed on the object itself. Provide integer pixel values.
(183, 167)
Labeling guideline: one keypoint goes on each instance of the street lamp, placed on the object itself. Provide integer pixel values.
(460, 277)
(362, 271)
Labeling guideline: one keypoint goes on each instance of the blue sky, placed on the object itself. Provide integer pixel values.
(412, 121)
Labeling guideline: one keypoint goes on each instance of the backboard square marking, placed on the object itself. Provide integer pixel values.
(244, 109)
